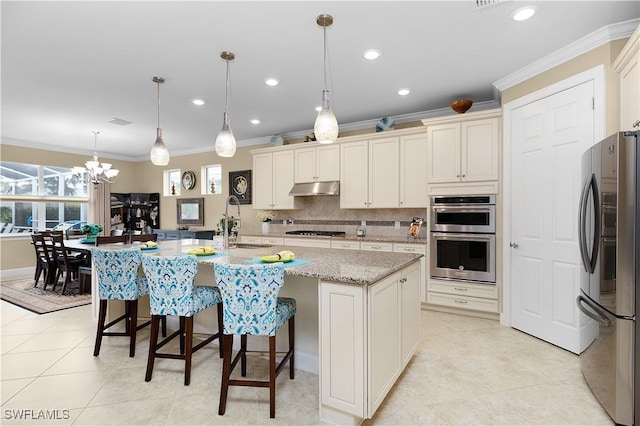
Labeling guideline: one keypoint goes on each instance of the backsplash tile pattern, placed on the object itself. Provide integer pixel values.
(322, 213)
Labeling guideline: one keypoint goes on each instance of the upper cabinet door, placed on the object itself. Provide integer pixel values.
(305, 165)
(328, 163)
(354, 175)
(443, 143)
(384, 177)
(413, 171)
(283, 180)
(263, 181)
(479, 150)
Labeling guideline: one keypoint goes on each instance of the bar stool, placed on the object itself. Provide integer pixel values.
(252, 307)
(171, 292)
(117, 273)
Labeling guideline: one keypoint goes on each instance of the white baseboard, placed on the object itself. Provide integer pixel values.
(12, 274)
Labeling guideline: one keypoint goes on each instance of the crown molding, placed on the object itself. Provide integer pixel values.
(583, 45)
(67, 150)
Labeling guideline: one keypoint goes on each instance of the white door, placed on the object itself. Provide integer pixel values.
(548, 138)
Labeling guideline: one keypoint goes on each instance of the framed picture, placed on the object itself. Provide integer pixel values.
(190, 211)
(240, 185)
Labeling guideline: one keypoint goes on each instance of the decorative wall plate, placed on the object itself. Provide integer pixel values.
(188, 180)
(385, 123)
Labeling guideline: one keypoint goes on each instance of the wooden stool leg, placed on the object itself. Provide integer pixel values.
(189, 350)
(227, 347)
(102, 315)
(133, 326)
(153, 342)
(292, 340)
(164, 326)
(243, 353)
(272, 377)
(220, 328)
(181, 335)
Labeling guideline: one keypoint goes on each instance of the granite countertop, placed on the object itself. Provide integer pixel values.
(345, 266)
(371, 238)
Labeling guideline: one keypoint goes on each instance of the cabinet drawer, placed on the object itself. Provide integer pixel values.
(173, 236)
(250, 239)
(348, 245)
(307, 242)
(373, 246)
(463, 289)
(462, 302)
(410, 248)
(273, 240)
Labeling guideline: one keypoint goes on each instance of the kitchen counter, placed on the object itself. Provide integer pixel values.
(370, 238)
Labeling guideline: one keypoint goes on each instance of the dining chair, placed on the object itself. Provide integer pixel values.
(171, 292)
(111, 239)
(251, 306)
(117, 275)
(65, 263)
(143, 237)
(45, 261)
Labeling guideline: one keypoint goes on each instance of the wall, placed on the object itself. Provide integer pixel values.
(603, 55)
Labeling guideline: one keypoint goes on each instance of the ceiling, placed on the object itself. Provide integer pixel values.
(70, 66)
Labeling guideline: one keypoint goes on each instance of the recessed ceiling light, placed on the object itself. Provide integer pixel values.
(371, 54)
(198, 102)
(255, 121)
(523, 13)
(318, 108)
(404, 92)
(272, 82)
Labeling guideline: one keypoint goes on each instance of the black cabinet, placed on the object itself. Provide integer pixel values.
(135, 211)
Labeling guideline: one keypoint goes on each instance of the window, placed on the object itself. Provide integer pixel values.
(171, 184)
(35, 197)
(212, 176)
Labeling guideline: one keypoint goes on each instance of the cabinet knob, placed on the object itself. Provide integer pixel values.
(463, 175)
(457, 175)
(636, 124)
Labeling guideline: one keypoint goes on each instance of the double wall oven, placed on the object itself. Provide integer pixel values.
(463, 238)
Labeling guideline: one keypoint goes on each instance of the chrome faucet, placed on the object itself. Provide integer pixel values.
(226, 219)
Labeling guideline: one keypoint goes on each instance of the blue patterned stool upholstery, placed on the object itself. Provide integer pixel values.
(171, 292)
(117, 273)
(252, 307)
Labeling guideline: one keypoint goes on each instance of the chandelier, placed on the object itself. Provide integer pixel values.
(96, 171)
(326, 125)
(226, 142)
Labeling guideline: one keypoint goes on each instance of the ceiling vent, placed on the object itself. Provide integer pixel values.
(119, 122)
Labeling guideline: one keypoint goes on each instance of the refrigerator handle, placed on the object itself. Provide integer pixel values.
(596, 224)
(582, 224)
(595, 314)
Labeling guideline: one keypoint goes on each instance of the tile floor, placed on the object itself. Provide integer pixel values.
(466, 371)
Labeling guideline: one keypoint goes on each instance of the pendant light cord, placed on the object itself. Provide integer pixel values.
(158, 83)
(95, 143)
(324, 30)
(226, 97)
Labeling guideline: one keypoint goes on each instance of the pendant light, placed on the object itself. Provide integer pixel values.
(226, 142)
(96, 171)
(159, 152)
(326, 125)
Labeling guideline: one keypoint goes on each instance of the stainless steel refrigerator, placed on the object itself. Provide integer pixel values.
(609, 236)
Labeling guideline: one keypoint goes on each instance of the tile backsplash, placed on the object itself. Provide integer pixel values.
(324, 213)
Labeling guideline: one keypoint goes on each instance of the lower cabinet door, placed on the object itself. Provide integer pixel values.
(410, 317)
(342, 347)
(384, 332)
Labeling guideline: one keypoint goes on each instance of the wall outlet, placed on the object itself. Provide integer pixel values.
(397, 225)
(284, 221)
(363, 223)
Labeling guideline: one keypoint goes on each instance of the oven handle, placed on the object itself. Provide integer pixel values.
(464, 237)
(464, 209)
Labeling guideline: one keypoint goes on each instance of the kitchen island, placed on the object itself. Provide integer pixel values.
(357, 319)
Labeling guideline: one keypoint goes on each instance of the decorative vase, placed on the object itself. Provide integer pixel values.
(461, 105)
(265, 227)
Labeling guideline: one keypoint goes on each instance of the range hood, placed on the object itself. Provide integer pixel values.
(315, 188)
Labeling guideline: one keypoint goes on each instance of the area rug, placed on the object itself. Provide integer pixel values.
(21, 292)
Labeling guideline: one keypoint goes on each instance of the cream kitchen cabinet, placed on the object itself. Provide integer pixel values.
(370, 174)
(317, 164)
(413, 171)
(463, 295)
(367, 336)
(272, 181)
(627, 64)
(416, 248)
(464, 151)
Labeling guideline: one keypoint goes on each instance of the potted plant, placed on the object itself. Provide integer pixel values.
(91, 229)
(266, 217)
(230, 225)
